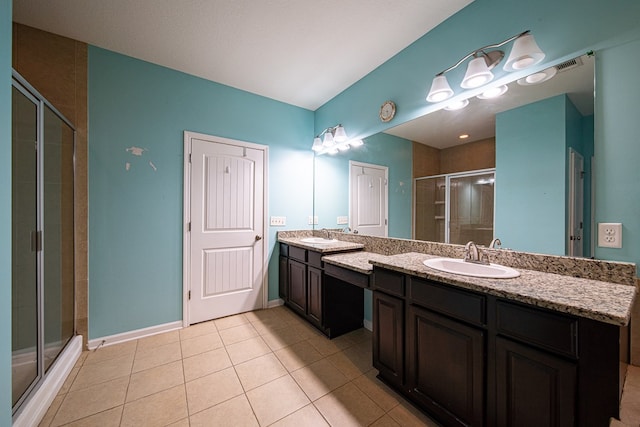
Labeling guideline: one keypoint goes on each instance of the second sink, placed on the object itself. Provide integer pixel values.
(458, 266)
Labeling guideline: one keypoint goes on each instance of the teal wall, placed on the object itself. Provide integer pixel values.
(135, 216)
(332, 181)
(5, 212)
(617, 150)
(531, 155)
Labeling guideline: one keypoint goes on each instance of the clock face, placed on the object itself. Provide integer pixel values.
(387, 111)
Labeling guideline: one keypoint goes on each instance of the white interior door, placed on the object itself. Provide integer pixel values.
(368, 196)
(227, 220)
(576, 203)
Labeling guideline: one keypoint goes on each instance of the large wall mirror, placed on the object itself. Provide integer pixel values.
(539, 137)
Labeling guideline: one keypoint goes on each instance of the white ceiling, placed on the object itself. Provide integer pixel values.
(302, 52)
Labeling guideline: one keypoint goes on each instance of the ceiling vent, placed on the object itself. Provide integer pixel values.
(570, 64)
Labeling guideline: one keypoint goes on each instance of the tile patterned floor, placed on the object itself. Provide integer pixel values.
(261, 368)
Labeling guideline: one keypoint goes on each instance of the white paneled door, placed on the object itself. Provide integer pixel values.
(368, 196)
(226, 254)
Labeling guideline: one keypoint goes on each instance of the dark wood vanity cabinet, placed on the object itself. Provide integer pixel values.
(472, 359)
(332, 305)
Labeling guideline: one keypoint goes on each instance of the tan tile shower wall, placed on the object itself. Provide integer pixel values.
(57, 67)
(428, 161)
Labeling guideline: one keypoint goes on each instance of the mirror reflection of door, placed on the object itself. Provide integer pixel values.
(368, 199)
(575, 242)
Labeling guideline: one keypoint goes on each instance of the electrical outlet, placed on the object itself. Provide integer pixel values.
(313, 220)
(610, 235)
(279, 220)
(343, 220)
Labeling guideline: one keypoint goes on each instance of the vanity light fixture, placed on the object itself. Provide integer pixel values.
(539, 77)
(494, 92)
(458, 105)
(334, 139)
(524, 53)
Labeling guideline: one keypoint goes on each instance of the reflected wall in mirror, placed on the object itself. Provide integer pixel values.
(525, 134)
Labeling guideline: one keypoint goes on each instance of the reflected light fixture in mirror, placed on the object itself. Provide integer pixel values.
(493, 92)
(458, 105)
(332, 140)
(524, 53)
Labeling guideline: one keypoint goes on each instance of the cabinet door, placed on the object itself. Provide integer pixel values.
(388, 337)
(534, 388)
(314, 294)
(445, 371)
(283, 282)
(298, 286)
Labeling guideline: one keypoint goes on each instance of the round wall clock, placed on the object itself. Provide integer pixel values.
(387, 111)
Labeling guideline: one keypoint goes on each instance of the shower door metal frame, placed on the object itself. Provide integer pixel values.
(41, 102)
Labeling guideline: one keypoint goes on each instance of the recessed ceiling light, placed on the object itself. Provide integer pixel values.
(464, 136)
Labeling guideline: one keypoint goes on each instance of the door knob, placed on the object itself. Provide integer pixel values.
(258, 238)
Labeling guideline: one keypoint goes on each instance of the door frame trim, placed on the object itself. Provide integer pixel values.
(186, 217)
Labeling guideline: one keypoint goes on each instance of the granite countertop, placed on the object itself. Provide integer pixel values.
(592, 299)
(338, 246)
(357, 261)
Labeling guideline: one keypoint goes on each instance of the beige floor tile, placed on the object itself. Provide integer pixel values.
(259, 371)
(407, 415)
(348, 406)
(99, 372)
(319, 378)
(266, 314)
(248, 349)
(377, 391)
(200, 344)
(327, 347)
(212, 389)
(231, 321)
(307, 417)
(51, 412)
(198, 329)
(385, 421)
(351, 364)
(359, 336)
(182, 423)
(284, 337)
(153, 380)
(150, 358)
(205, 363)
(92, 400)
(234, 412)
(66, 386)
(108, 418)
(276, 400)
(269, 326)
(238, 333)
(298, 355)
(159, 409)
(110, 352)
(158, 340)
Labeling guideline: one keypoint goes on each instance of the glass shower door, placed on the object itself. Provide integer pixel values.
(24, 260)
(471, 209)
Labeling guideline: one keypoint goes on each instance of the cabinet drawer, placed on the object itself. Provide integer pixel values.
(298, 253)
(538, 327)
(284, 250)
(314, 259)
(389, 282)
(463, 305)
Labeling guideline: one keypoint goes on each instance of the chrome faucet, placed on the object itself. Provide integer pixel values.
(473, 254)
(495, 244)
(347, 229)
(326, 231)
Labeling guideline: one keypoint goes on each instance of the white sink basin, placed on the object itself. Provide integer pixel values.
(317, 240)
(458, 266)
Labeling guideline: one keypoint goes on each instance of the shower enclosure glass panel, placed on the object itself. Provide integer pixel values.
(42, 281)
(24, 256)
(455, 208)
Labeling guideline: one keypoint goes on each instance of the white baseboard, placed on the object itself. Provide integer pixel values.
(368, 324)
(275, 303)
(34, 409)
(133, 335)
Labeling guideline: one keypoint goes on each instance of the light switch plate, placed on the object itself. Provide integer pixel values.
(313, 220)
(279, 220)
(610, 235)
(343, 220)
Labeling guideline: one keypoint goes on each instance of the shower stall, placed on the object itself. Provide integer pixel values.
(42, 283)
